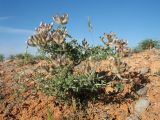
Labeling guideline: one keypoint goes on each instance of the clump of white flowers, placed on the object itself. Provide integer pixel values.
(119, 45)
(61, 20)
(45, 34)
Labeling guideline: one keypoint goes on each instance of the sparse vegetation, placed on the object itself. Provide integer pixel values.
(147, 44)
(25, 58)
(157, 73)
(20, 56)
(1, 57)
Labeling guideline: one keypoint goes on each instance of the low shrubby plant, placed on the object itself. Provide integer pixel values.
(147, 44)
(27, 56)
(20, 56)
(62, 81)
(23, 58)
(1, 57)
(11, 57)
(59, 46)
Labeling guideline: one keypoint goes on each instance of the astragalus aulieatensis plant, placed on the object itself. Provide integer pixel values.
(59, 46)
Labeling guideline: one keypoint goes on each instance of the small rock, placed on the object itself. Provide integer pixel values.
(143, 91)
(145, 70)
(141, 105)
(132, 117)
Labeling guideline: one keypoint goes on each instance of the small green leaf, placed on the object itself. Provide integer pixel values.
(120, 87)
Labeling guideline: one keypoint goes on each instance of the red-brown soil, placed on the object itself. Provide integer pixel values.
(37, 106)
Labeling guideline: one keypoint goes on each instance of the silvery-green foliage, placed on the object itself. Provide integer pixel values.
(100, 53)
(58, 45)
(65, 85)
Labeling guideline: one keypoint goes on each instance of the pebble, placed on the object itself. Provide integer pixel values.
(141, 105)
(144, 70)
(132, 117)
